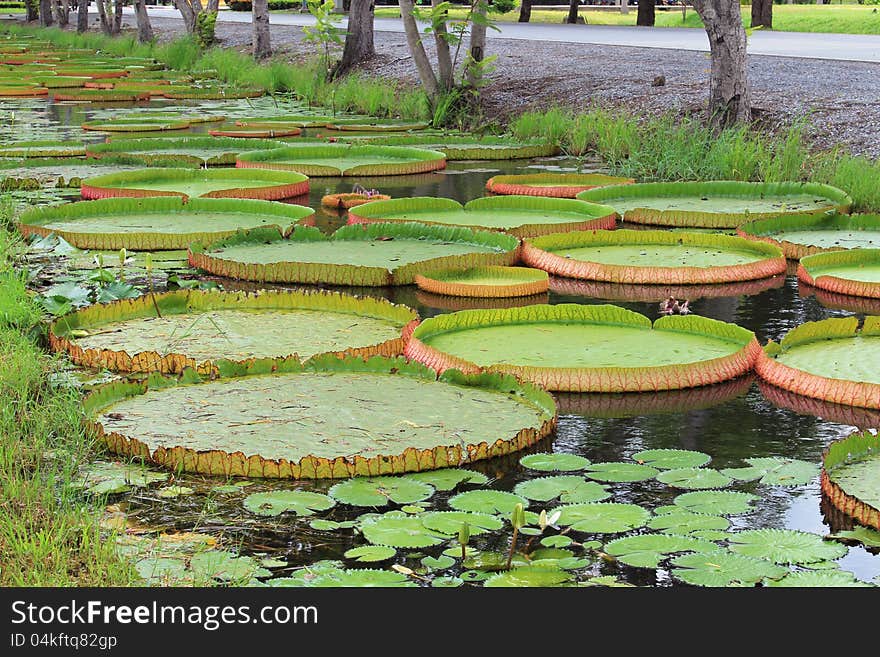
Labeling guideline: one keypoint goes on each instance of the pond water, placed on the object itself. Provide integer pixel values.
(731, 422)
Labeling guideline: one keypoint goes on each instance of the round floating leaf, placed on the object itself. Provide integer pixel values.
(620, 472)
(447, 582)
(529, 576)
(400, 531)
(648, 550)
(412, 508)
(330, 525)
(864, 535)
(605, 580)
(775, 471)
(380, 491)
(785, 546)
(449, 478)
(719, 503)
(174, 491)
(710, 534)
(556, 541)
(344, 160)
(276, 502)
(571, 488)
(449, 522)
(475, 576)
(694, 478)
(369, 553)
(671, 459)
(602, 517)
(225, 566)
(684, 522)
(812, 579)
(438, 563)
(487, 501)
(554, 462)
(162, 571)
(724, 569)
(102, 478)
(362, 578)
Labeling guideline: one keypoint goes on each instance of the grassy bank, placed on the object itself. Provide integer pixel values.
(49, 534)
(843, 19)
(671, 148)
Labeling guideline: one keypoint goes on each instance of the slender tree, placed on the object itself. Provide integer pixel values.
(525, 11)
(477, 50)
(32, 10)
(762, 13)
(624, 6)
(144, 27)
(645, 17)
(572, 11)
(261, 45)
(46, 13)
(82, 15)
(441, 43)
(417, 50)
(359, 43)
(729, 93)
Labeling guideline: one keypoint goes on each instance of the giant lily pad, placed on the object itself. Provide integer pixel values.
(855, 272)
(214, 332)
(716, 204)
(345, 160)
(329, 417)
(276, 502)
(558, 185)
(374, 255)
(799, 237)
(648, 550)
(519, 215)
(653, 257)
(160, 223)
(494, 282)
(851, 469)
(185, 151)
(45, 148)
(206, 183)
(785, 546)
(466, 147)
(137, 124)
(601, 517)
(380, 491)
(724, 569)
(579, 348)
(830, 359)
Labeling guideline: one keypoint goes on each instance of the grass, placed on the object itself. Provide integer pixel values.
(672, 148)
(844, 19)
(49, 534)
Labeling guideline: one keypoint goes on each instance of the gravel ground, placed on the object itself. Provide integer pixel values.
(841, 100)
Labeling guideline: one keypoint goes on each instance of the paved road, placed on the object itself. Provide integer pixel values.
(847, 47)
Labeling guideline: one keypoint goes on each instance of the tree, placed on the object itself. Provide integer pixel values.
(144, 28)
(525, 11)
(261, 45)
(61, 11)
(359, 44)
(729, 93)
(624, 6)
(762, 13)
(111, 18)
(190, 10)
(46, 13)
(82, 15)
(572, 11)
(32, 10)
(645, 17)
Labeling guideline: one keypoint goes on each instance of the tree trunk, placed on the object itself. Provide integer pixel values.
(444, 58)
(762, 13)
(213, 6)
(117, 17)
(359, 44)
(46, 13)
(82, 16)
(572, 11)
(729, 94)
(56, 11)
(417, 49)
(525, 11)
(32, 10)
(145, 29)
(645, 16)
(624, 6)
(478, 46)
(188, 11)
(262, 47)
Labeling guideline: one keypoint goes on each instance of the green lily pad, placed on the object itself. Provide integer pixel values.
(529, 576)
(824, 578)
(400, 531)
(226, 567)
(776, 471)
(671, 459)
(320, 524)
(785, 546)
(174, 491)
(606, 580)
(450, 522)
(710, 534)
(556, 541)
(449, 478)
(602, 517)
(554, 462)
(719, 503)
(362, 578)
(438, 563)
(369, 553)
(276, 502)
(648, 550)
(102, 478)
(412, 508)
(162, 571)
(475, 575)
(447, 582)
(380, 491)
(694, 478)
(621, 472)
(571, 489)
(724, 569)
(864, 535)
(487, 501)
(684, 522)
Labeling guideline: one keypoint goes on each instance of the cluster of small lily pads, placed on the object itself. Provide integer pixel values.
(563, 527)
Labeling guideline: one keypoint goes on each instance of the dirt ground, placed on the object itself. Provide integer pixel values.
(840, 100)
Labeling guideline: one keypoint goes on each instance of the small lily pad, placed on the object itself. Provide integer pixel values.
(648, 550)
(162, 571)
(606, 580)
(276, 502)
(226, 488)
(785, 546)
(450, 522)
(449, 478)
(475, 575)
(866, 536)
(556, 541)
(716, 502)
(694, 478)
(174, 491)
(685, 522)
(362, 578)
(723, 568)
(671, 459)
(621, 472)
(602, 517)
(380, 491)
(400, 531)
(320, 524)
(226, 567)
(438, 563)
(554, 462)
(529, 576)
(412, 508)
(774, 471)
(820, 578)
(102, 478)
(487, 501)
(571, 489)
(370, 553)
(447, 582)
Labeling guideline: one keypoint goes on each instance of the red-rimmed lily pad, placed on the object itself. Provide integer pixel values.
(799, 237)
(855, 272)
(45, 148)
(345, 160)
(188, 150)
(485, 282)
(850, 472)
(558, 185)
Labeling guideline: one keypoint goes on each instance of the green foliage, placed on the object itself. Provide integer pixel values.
(785, 546)
(324, 33)
(299, 502)
(724, 569)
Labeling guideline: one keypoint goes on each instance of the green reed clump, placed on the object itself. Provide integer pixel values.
(858, 176)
